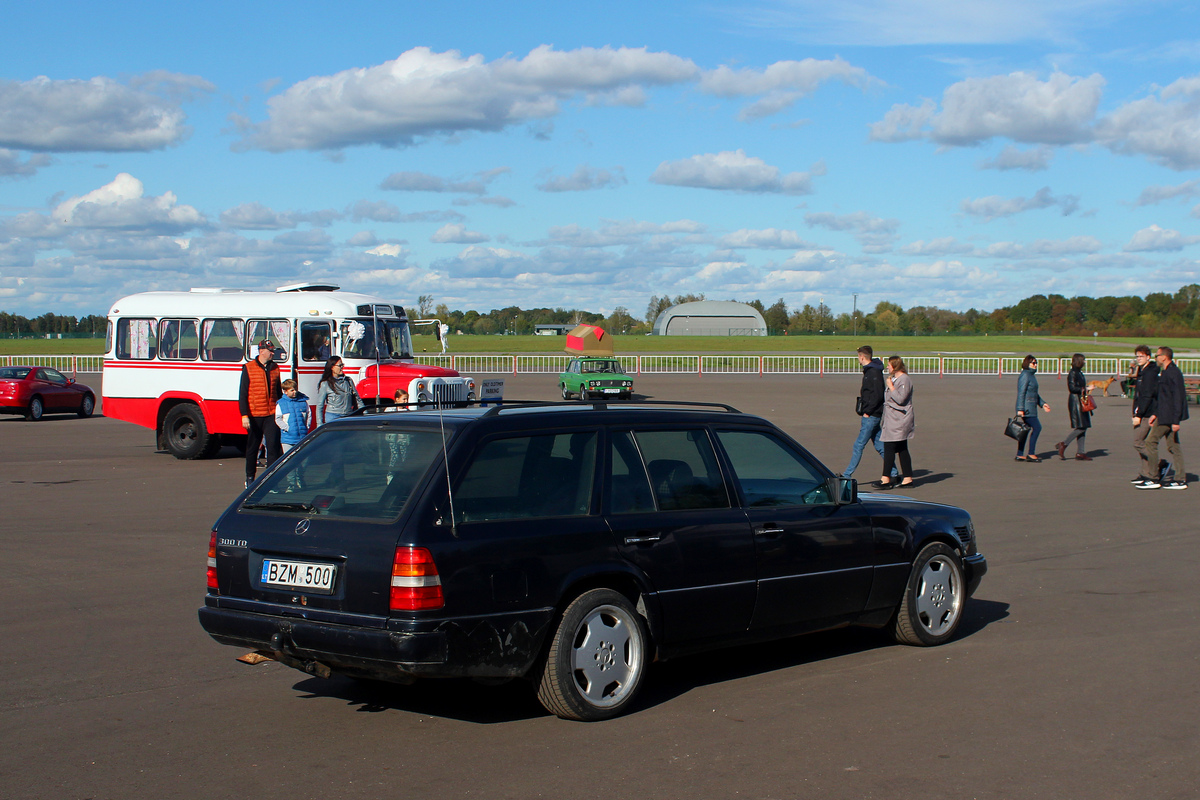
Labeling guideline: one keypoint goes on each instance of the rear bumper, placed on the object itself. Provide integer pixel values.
(494, 646)
(976, 567)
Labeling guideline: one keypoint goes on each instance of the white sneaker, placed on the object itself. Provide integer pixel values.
(1148, 485)
(1174, 485)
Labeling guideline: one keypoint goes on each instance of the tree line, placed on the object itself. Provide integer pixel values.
(1156, 314)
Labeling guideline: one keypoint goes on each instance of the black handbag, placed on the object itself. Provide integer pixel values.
(1017, 428)
(858, 407)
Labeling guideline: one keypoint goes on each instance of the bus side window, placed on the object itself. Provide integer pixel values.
(279, 331)
(178, 340)
(314, 341)
(221, 339)
(136, 339)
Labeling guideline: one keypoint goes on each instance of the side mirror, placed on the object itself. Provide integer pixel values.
(844, 491)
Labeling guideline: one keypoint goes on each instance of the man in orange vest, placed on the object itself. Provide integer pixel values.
(257, 396)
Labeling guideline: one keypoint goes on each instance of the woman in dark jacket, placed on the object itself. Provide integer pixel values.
(1080, 420)
(1028, 402)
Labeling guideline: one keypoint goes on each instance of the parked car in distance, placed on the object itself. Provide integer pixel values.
(35, 391)
(568, 545)
(591, 377)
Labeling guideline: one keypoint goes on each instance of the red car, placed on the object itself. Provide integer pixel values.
(34, 391)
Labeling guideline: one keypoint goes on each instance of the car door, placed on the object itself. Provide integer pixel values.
(814, 557)
(669, 506)
(56, 390)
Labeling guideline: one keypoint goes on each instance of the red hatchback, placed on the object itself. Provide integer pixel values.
(34, 391)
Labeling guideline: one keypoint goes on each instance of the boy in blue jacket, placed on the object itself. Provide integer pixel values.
(291, 415)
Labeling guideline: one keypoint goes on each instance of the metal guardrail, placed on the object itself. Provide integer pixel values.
(982, 365)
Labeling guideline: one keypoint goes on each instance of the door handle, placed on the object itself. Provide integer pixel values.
(643, 538)
(768, 530)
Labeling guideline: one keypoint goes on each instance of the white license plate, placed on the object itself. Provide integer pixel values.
(611, 391)
(299, 575)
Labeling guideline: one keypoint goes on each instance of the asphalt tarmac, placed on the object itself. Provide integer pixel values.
(1074, 674)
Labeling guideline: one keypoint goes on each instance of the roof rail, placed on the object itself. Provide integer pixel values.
(601, 405)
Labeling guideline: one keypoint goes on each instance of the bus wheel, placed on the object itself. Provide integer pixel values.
(185, 433)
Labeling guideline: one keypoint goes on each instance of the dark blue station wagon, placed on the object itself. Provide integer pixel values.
(570, 545)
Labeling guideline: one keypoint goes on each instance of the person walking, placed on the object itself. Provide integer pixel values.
(291, 415)
(899, 423)
(869, 407)
(1028, 403)
(336, 395)
(1144, 391)
(1080, 420)
(258, 393)
(1169, 412)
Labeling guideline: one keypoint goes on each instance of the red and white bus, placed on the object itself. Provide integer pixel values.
(173, 360)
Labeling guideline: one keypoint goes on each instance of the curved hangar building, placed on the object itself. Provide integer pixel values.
(710, 318)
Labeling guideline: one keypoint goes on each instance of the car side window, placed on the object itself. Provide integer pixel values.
(770, 473)
(525, 477)
(628, 487)
(683, 469)
(53, 376)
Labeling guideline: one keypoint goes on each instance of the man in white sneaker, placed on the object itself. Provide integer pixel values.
(1170, 411)
(1145, 392)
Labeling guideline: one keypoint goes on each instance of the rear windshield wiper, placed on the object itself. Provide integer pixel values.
(306, 507)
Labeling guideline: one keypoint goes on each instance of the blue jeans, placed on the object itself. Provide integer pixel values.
(869, 431)
(1035, 427)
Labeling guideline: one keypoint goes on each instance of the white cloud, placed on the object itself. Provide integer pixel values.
(11, 165)
(1156, 239)
(391, 250)
(100, 114)
(781, 83)
(875, 234)
(1152, 195)
(909, 22)
(1018, 106)
(766, 239)
(122, 204)
(423, 93)
(1166, 127)
(482, 262)
(734, 171)
(453, 233)
(1042, 248)
(257, 217)
(942, 246)
(1035, 159)
(583, 179)
(994, 206)
(424, 182)
(383, 211)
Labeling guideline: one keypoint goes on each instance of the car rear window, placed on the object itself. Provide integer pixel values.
(524, 477)
(683, 469)
(349, 472)
(14, 373)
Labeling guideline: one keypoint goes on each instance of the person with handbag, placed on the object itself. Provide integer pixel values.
(869, 408)
(899, 424)
(1028, 403)
(1080, 406)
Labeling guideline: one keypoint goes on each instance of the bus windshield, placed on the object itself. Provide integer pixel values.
(359, 337)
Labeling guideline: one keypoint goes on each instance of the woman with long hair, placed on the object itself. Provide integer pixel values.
(899, 423)
(1080, 420)
(1028, 403)
(336, 395)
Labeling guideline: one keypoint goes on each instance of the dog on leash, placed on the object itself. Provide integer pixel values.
(1102, 385)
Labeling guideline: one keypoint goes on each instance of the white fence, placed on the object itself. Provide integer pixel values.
(986, 365)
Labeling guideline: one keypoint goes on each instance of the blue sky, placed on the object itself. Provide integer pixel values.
(956, 154)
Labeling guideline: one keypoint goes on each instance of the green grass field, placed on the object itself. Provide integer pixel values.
(752, 345)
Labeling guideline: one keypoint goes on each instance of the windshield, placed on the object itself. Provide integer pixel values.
(359, 338)
(349, 472)
(613, 367)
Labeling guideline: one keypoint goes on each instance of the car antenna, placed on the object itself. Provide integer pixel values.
(446, 467)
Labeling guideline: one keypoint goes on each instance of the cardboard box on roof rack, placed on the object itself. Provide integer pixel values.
(589, 340)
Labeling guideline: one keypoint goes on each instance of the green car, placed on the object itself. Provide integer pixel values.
(595, 378)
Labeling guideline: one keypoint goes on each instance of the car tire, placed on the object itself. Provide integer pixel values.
(186, 434)
(932, 606)
(87, 406)
(597, 658)
(36, 409)
(565, 394)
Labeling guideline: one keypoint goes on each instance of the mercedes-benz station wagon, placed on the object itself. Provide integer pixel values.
(568, 544)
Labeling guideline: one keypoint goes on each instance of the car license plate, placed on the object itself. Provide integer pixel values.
(611, 391)
(299, 575)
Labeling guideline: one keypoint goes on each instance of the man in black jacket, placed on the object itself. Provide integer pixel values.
(1170, 410)
(1145, 391)
(870, 408)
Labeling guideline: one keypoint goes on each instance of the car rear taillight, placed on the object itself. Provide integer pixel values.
(212, 561)
(415, 582)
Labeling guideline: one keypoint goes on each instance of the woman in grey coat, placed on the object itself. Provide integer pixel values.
(1028, 402)
(899, 423)
(336, 395)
